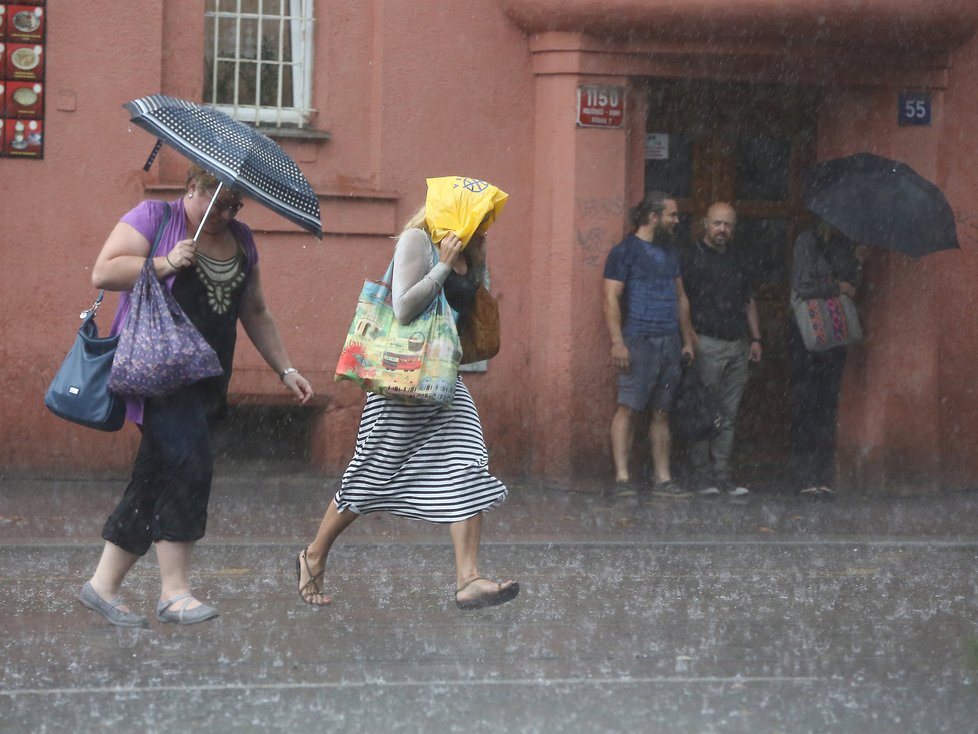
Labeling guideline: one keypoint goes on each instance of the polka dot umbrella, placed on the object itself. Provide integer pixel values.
(236, 154)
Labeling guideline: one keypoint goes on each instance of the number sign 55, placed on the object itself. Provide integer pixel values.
(914, 108)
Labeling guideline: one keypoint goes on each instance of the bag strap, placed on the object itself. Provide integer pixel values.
(159, 230)
(157, 238)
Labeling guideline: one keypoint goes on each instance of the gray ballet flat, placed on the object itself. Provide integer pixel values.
(184, 616)
(110, 609)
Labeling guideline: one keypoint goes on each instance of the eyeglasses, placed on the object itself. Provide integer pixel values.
(228, 206)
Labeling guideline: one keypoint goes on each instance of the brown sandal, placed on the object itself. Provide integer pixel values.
(492, 599)
(315, 581)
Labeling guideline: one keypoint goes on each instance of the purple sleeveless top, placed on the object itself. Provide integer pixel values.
(145, 218)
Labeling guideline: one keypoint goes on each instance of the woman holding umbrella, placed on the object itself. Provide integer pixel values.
(861, 198)
(216, 281)
(423, 461)
(825, 264)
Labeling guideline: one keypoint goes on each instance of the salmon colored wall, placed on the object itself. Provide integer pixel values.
(55, 214)
(897, 23)
(907, 420)
(404, 94)
(581, 176)
(957, 293)
(407, 92)
(896, 417)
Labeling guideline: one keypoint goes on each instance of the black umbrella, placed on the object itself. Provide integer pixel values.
(237, 155)
(882, 202)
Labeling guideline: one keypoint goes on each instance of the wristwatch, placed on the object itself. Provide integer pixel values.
(286, 371)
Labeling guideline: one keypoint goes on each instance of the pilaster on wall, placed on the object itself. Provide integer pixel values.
(581, 181)
(890, 418)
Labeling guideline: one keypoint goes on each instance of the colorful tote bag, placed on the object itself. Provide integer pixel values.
(413, 363)
(827, 323)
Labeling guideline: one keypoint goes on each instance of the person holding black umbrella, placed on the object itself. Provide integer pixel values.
(215, 279)
(825, 264)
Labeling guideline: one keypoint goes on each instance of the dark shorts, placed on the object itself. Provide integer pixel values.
(656, 364)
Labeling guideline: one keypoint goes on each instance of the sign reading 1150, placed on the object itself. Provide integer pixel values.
(600, 105)
(914, 108)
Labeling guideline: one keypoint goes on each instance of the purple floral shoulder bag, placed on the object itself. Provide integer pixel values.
(160, 350)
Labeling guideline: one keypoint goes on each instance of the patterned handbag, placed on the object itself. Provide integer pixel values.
(414, 363)
(827, 323)
(160, 350)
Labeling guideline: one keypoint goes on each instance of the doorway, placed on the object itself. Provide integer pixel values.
(745, 144)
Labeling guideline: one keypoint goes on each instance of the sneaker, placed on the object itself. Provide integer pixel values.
(709, 491)
(671, 490)
(817, 493)
(624, 488)
(734, 490)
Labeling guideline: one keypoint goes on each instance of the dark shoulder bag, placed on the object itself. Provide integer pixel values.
(481, 336)
(696, 414)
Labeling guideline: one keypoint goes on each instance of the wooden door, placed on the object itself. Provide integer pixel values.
(744, 144)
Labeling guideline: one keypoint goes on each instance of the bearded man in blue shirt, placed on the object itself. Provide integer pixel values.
(647, 314)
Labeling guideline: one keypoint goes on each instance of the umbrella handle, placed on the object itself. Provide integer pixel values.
(217, 191)
(152, 155)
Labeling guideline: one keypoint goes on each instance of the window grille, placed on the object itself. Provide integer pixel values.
(258, 59)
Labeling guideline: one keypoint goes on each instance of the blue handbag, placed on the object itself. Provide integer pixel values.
(78, 392)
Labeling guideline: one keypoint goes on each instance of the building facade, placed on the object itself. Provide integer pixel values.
(710, 99)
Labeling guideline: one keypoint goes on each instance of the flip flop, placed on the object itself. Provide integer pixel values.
(500, 596)
(314, 581)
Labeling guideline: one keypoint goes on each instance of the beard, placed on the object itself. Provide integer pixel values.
(664, 235)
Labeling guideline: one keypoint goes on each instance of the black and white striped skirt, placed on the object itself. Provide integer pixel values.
(420, 461)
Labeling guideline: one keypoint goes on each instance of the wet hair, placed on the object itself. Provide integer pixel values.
(653, 203)
(204, 180)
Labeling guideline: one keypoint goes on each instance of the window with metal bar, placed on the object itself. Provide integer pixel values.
(258, 59)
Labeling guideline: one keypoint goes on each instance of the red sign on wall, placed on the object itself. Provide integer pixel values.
(600, 106)
(22, 56)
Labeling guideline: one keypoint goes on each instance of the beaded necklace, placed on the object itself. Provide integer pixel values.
(220, 278)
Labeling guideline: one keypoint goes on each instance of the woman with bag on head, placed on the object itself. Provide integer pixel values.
(425, 461)
(825, 265)
(216, 282)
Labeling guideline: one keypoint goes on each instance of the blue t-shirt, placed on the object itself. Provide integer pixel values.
(649, 271)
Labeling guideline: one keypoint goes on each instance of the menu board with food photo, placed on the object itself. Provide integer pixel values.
(24, 138)
(25, 61)
(25, 99)
(25, 23)
(23, 30)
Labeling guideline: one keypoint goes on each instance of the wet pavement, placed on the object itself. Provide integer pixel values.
(772, 614)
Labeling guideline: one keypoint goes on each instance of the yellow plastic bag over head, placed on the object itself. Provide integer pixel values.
(459, 204)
